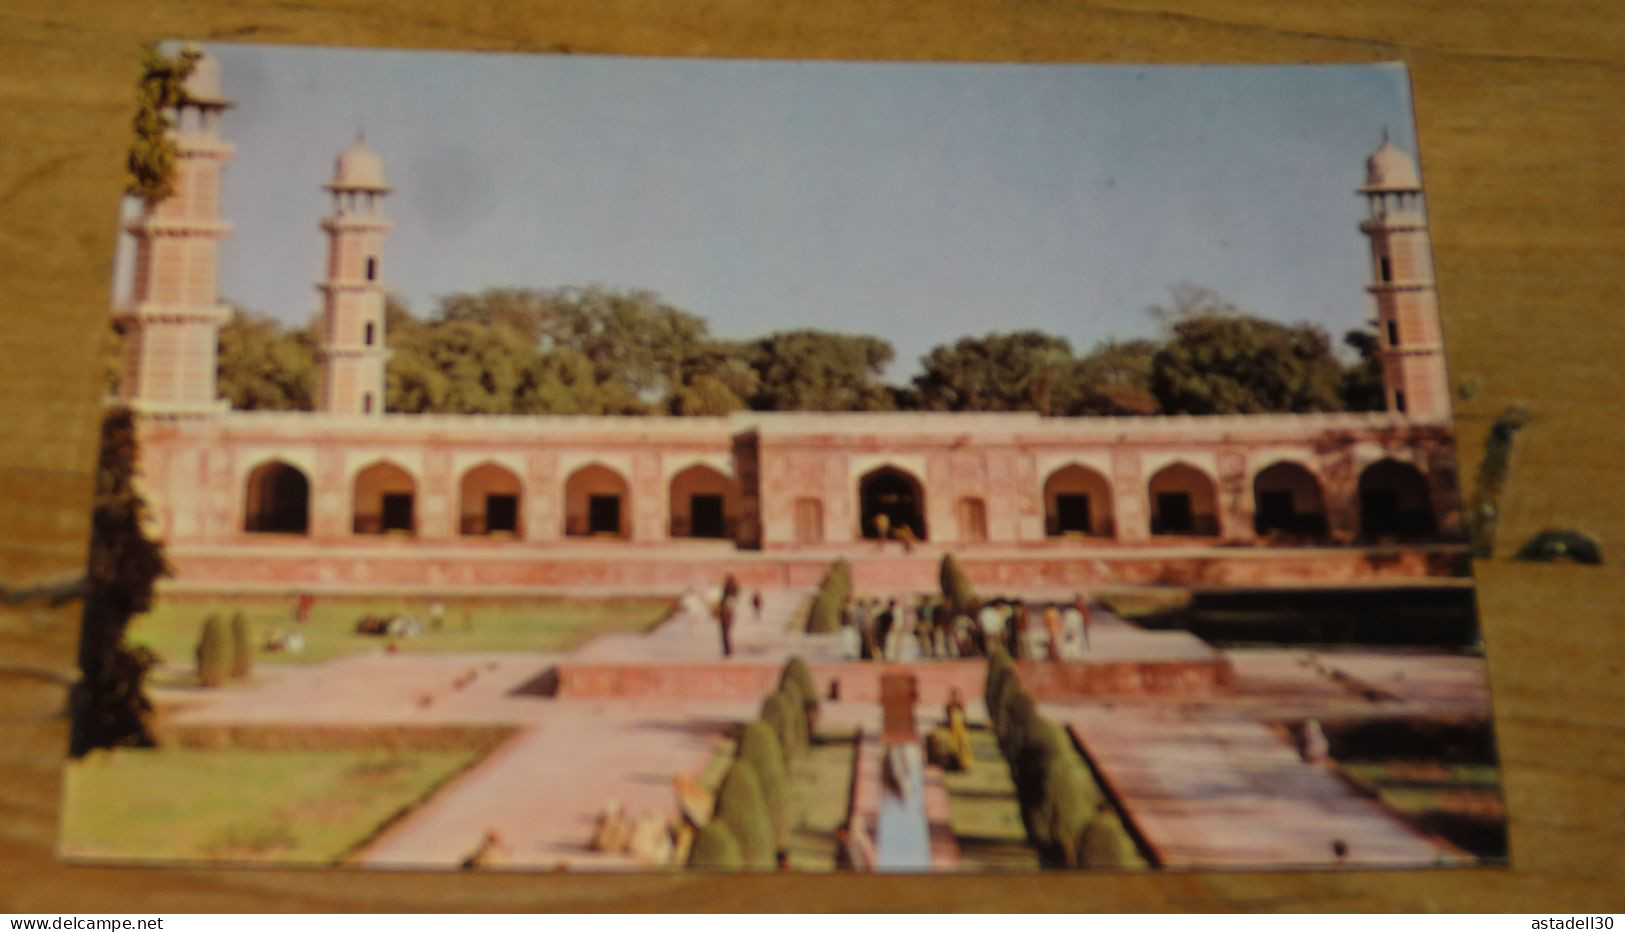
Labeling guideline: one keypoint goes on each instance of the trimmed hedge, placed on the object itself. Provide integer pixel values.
(1063, 810)
(716, 849)
(211, 653)
(825, 614)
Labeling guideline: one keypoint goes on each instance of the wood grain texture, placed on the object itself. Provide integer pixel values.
(1519, 107)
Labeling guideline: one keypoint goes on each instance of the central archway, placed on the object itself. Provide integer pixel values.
(1077, 502)
(277, 500)
(891, 494)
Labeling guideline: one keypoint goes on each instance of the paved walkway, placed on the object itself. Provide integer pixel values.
(1208, 791)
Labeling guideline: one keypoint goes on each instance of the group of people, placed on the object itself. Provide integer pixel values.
(931, 628)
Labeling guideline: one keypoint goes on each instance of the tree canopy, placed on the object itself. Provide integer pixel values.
(594, 350)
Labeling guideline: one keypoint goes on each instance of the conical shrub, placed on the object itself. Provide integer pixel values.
(211, 653)
(741, 806)
(797, 672)
(777, 714)
(759, 747)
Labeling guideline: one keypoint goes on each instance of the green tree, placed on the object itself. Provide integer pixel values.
(1218, 360)
(1114, 380)
(1024, 370)
(1361, 384)
(815, 370)
(160, 88)
(264, 367)
(109, 706)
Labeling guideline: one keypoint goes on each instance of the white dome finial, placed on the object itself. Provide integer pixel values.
(359, 168)
(1391, 169)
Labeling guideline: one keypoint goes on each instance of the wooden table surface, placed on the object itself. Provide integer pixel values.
(1521, 131)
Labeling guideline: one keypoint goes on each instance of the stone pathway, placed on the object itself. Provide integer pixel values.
(1207, 791)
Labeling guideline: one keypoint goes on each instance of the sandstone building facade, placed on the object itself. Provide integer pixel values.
(351, 496)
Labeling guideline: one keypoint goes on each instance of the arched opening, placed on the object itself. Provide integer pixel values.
(385, 500)
(892, 499)
(972, 514)
(597, 503)
(809, 521)
(277, 500)
(704, 503)
(1395, 501)
(1078, 502)
(490, 502)
(1183, 502)
(1287, 500)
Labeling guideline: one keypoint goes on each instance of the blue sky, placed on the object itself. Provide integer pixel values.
(916, 202)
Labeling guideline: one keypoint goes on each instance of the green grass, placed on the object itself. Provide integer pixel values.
(173, 626)
(983, 811)
(285, 807)
(820, 788)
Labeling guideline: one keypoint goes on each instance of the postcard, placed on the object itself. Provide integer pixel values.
(609, 464)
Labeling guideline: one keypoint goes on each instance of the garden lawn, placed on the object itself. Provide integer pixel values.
(285, 807)
(173, 626)
(983, 811)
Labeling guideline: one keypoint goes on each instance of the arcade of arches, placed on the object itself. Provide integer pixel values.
(1395, 502)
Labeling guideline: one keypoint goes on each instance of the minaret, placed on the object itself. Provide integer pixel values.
(172, 320)
(1413, 374)
(352, 343)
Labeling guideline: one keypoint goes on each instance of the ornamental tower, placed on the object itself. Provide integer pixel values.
(1413, 375)
(172, 320)
(352, 342)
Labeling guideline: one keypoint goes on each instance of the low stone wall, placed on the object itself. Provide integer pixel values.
(860, 682)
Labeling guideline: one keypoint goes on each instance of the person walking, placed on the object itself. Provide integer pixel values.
(756, 602)
(725, 620)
